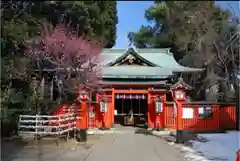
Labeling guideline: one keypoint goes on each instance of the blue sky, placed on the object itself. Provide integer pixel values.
(131, 17)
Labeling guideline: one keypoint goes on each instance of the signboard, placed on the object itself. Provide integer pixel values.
(187, 113)
(205, 112)
(201, 110)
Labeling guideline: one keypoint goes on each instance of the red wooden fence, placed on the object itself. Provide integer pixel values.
(220, 116)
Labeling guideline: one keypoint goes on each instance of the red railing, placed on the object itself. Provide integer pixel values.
(219, 116)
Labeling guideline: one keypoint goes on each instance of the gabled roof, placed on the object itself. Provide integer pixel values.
(161, 63)
(161, 57)
(131, 52)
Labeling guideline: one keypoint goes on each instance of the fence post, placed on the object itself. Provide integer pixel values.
(19, 123)
(58, 129)
(36, 131)
(36, 127)
(69, 124)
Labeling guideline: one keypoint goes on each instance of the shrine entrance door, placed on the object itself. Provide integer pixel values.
(131, 109)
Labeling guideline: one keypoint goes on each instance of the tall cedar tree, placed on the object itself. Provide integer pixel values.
(194, 31)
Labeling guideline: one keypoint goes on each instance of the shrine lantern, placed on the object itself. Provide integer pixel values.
(103, 106)
(180, 90)
(103, 99)
(158, 104)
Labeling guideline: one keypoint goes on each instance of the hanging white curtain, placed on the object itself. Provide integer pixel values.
(174, 110)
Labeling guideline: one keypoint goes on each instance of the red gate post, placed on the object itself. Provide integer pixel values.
(103, 110)
(81, 122)
(84, 114)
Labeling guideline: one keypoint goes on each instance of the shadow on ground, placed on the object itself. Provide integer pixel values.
(185, 138)
(142, 131)
(45, 149)
(10, 148)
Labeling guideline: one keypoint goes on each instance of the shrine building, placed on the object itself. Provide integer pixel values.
(135, 85)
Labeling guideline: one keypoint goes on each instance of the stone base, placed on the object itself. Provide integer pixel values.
(81, 135)
(104, 128)
(159, 129)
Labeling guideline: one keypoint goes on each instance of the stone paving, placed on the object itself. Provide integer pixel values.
(127, 145)
(130, 146)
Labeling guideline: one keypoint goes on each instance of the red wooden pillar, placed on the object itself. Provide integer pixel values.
(84, 115)
(113, 107)
(164, 110)
(150, 111)
(98, 113)
(161, 115)
(81, 118)
(179, 116)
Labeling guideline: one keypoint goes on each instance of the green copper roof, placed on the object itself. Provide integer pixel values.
(133, 83)
(165, 64)
(135, 72)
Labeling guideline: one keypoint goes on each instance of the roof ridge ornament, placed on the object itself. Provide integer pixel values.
(133, 47)
(130, 44)
(180, 80)
(131, 53)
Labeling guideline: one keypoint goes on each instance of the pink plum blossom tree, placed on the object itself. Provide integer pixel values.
(73, 58)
